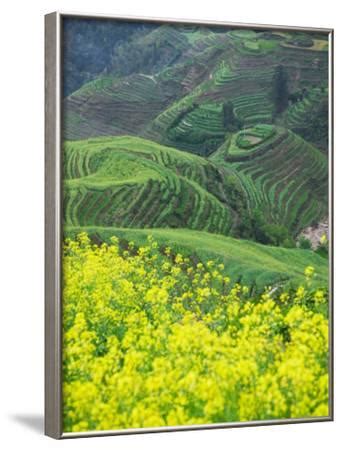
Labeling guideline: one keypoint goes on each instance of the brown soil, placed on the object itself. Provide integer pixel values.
(315, 233)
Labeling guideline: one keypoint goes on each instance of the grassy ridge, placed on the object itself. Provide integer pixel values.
(245, 261)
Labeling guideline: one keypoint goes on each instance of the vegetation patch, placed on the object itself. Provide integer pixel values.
(243, 34)
(249, 138)
(253, 46)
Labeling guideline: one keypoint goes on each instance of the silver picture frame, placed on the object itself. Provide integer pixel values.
(54, 231)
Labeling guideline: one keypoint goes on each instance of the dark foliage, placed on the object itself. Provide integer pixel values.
(280, 92)
(89, 45)
(304, 243)
(230, 121)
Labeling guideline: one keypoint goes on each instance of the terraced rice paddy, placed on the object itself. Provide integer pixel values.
(119, 107)
(210, 69)
(253, 109)
(202, 128)
(196, 124)
(283, 175)
(299, 114)
(130, 182)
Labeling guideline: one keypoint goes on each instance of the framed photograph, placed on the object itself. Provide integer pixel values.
(189, 223)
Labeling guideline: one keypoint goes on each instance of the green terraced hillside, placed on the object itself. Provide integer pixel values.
(308, 116)
(252, 264)
(281, 173)
(196, 122)
(114, 106)
(134, 90)
(210, 92)
(131, 182)
(175, 95)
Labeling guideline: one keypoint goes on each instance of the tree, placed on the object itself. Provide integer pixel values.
(258, 224)
(289, 243)
(280, 91)
(304, 243)
(320, 123)
(230, 121)
(276, 234)
(228, 114)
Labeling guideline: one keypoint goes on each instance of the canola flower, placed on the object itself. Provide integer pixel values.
(150, 340)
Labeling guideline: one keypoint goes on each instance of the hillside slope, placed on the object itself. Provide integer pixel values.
(249, 263)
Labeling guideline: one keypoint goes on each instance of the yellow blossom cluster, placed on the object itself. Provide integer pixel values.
(151, 339)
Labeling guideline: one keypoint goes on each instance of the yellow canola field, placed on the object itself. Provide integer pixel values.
(153, 339)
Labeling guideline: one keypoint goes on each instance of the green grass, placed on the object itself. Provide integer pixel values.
(244, 34)
(247, 262)
(252, 45)
(267, 45)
